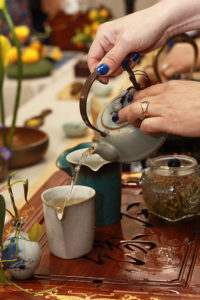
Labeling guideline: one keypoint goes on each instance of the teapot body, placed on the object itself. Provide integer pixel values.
(119, 142)
(129, 144)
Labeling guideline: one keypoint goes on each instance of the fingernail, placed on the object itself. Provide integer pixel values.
(135, 56)
(102, 69)
(130, 98)
(115, 117)
(124, 63)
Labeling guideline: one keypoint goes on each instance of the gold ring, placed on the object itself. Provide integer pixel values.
(144, 106)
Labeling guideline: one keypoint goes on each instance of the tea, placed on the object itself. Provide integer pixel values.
(59, 203)
(75, 173)
(75, 228)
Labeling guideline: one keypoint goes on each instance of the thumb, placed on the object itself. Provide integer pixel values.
(111, 62)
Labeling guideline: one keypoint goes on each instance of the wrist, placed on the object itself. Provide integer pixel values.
(179, 16)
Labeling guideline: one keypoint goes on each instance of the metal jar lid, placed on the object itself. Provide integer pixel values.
(173, 165)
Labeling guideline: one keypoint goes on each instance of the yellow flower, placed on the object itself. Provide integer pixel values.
(104, 13)
(22, 32)
(30, 56)
(56, 54)
(95, 26)
(5, 47)
(12, 55)
(2, 4)
(93, 14)
(37, 45)
(87, 29)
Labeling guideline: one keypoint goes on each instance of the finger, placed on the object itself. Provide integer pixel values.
(155, 125)
(169, 72)
(105, 80)
(134, 112)
(99, 47)
(151, 91)
(95, 54)
(113, 59)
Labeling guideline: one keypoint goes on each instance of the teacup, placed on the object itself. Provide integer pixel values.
(101, 175)
(72, 235)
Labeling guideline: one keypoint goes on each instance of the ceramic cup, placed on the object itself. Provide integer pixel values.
(104, 177)
(73, 235)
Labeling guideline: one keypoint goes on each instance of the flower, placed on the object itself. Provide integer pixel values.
(5, 153)
(5, 47)
(84, 36)
(2, 4)
(22, 33)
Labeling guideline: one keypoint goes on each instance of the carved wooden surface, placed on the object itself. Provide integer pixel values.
(142, 257)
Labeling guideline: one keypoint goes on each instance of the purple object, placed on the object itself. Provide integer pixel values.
(5, 153)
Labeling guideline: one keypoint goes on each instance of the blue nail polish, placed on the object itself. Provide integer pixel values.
(135, 56)
(124, 63)
(115, 118)
(130, 98)
(170, 44)
(102, 69)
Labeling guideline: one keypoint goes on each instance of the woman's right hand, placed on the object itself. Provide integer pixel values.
(140, 32)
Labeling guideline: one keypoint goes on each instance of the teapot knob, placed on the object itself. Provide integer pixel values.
(116, 107)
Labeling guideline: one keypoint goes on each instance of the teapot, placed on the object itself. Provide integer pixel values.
(119, 142)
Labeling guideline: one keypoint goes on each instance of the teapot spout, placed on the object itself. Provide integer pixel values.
(106, 151)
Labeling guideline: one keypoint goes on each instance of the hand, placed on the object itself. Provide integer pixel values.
(179, 59)
(118, 38)
(174, 107)
(140, 32)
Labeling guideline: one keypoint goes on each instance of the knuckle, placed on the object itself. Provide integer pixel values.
(125, 38)
(111, 59)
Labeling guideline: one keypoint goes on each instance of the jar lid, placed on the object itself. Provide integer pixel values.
(173, 165)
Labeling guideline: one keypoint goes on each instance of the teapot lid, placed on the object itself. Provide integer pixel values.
(106, 118)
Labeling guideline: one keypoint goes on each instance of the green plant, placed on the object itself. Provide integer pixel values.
(33, 235)
(7, 141)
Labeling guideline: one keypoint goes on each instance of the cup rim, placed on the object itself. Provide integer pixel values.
(68, 185)
(86, 163)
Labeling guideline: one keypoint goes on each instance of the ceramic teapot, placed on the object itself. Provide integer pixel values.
(119, 142)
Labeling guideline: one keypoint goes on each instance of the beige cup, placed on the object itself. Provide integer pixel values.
(72, 235)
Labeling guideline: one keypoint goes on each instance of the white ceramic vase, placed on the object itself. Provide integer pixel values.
(29, 254)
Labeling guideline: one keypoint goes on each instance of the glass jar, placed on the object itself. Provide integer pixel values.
(171, 187)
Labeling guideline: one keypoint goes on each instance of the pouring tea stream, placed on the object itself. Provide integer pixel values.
(61, 203)
(101, 175)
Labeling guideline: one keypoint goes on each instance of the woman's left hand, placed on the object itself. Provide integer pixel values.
(173, 107)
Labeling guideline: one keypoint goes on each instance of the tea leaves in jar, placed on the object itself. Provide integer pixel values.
(172, 195)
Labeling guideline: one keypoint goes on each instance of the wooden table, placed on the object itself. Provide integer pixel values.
(141, 257)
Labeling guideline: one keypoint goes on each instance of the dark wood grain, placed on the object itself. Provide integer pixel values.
(141, 257)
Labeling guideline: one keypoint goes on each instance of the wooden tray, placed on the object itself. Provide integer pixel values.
(142, 257)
